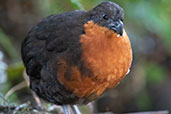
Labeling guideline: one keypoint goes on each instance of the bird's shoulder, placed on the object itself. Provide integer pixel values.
(58, 23)
(54, 34)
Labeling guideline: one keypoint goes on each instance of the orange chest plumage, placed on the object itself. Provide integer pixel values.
(107, 55)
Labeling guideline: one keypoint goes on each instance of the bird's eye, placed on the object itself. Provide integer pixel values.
(105, 17)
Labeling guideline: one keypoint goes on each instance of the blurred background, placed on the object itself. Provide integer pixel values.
(148, 24)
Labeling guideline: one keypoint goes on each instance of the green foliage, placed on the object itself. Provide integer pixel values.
(15, 73)
(7, 45)
(151, 17)
(155, 73)
(85, 109)
(143, 101)
(76, 4)
(12, 98)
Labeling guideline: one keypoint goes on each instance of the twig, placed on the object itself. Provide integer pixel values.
(151, 112)
(4, 100)
(33, 94)
(6, 107)
(91, 107)
(20, 107)
(23, 108)
(15, 88)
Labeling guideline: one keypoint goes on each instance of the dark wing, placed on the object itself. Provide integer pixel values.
(43, 47)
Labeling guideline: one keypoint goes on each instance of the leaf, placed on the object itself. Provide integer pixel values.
(76, 4)
(7, 45)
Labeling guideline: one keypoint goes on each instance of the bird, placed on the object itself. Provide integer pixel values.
(73, 57)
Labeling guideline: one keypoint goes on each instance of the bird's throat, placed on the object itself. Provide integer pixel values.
(108, 55)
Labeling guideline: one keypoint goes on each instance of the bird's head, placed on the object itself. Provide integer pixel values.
(108, 14)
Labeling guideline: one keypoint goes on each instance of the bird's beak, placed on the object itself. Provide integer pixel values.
(117, 26)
